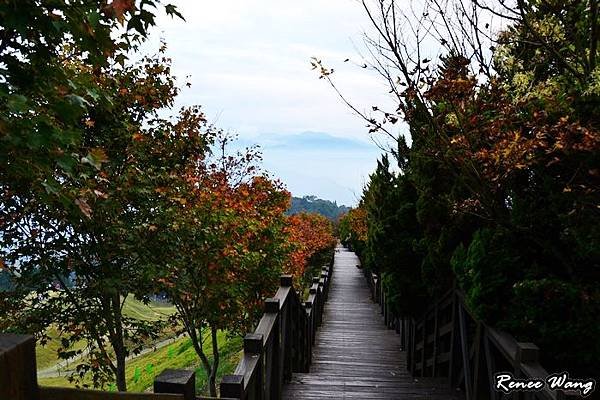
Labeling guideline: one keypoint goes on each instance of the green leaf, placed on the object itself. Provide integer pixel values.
(171, 10)
(17, 103)
(78, 100)
(51, 187)
(66, 163)
(95, 158)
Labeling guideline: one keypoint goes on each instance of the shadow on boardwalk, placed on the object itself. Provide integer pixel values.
(356, 356)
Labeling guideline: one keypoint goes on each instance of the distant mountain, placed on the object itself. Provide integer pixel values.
(327, 208)
(315, 141)
(327, 166)
(309, 140)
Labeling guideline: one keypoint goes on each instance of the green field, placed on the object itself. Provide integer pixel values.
(152, 312)
(46, 355)
(142, 370)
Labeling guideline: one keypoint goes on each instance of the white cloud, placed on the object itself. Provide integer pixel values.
(249, 62)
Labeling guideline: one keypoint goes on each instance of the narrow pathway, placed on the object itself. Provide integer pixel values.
(356, 356)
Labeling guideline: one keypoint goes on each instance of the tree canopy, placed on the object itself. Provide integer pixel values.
(107, 192)
(497, 188)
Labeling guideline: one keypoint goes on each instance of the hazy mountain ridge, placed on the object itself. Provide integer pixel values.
(308, 140)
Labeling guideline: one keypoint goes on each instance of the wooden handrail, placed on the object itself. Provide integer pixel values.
(282, 342)
(280, 345)
(449, 341)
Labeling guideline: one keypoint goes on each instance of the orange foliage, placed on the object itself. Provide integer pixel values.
(309, 234)
(357, 219)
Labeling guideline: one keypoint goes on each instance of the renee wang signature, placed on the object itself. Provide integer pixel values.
(505, 382)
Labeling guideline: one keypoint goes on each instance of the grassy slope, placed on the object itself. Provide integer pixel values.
(46, 355)
(151, 312)
(141, 371)
(180, 354)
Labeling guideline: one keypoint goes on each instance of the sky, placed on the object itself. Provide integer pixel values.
(249, 65)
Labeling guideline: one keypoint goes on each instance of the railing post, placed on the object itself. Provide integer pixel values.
(316, 305)
(289, 331)
(477, 360)
(253, 345)
(435, 341)
(384, 306)
(176, 381)
(453, 340)
(18, 376)
(232, 386)
(310, 314)
(462, 325)
(321, 289)
(325, 277)
(275, 381)
(526, 353)
(490, 364)
(412, 332)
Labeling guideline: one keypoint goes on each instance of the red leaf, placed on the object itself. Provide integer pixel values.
(84, 207)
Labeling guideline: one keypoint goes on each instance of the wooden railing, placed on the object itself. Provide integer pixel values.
(18, 379)
(448, 341)
(282, 342)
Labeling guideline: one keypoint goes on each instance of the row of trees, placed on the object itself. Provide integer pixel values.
(499, 187)
(103, 196)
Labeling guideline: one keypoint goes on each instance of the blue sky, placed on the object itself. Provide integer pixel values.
(249, 65)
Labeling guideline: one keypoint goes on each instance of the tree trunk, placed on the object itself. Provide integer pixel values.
(197, 343)
(118, 344)
(121, 381)
(212, 379)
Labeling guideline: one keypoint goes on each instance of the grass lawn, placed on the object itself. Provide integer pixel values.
(141, 371)
(47, 357)
(154, 311)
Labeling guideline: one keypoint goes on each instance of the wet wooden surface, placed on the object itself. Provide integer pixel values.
(356, 356)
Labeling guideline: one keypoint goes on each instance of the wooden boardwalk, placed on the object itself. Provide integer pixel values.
(356, 356)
